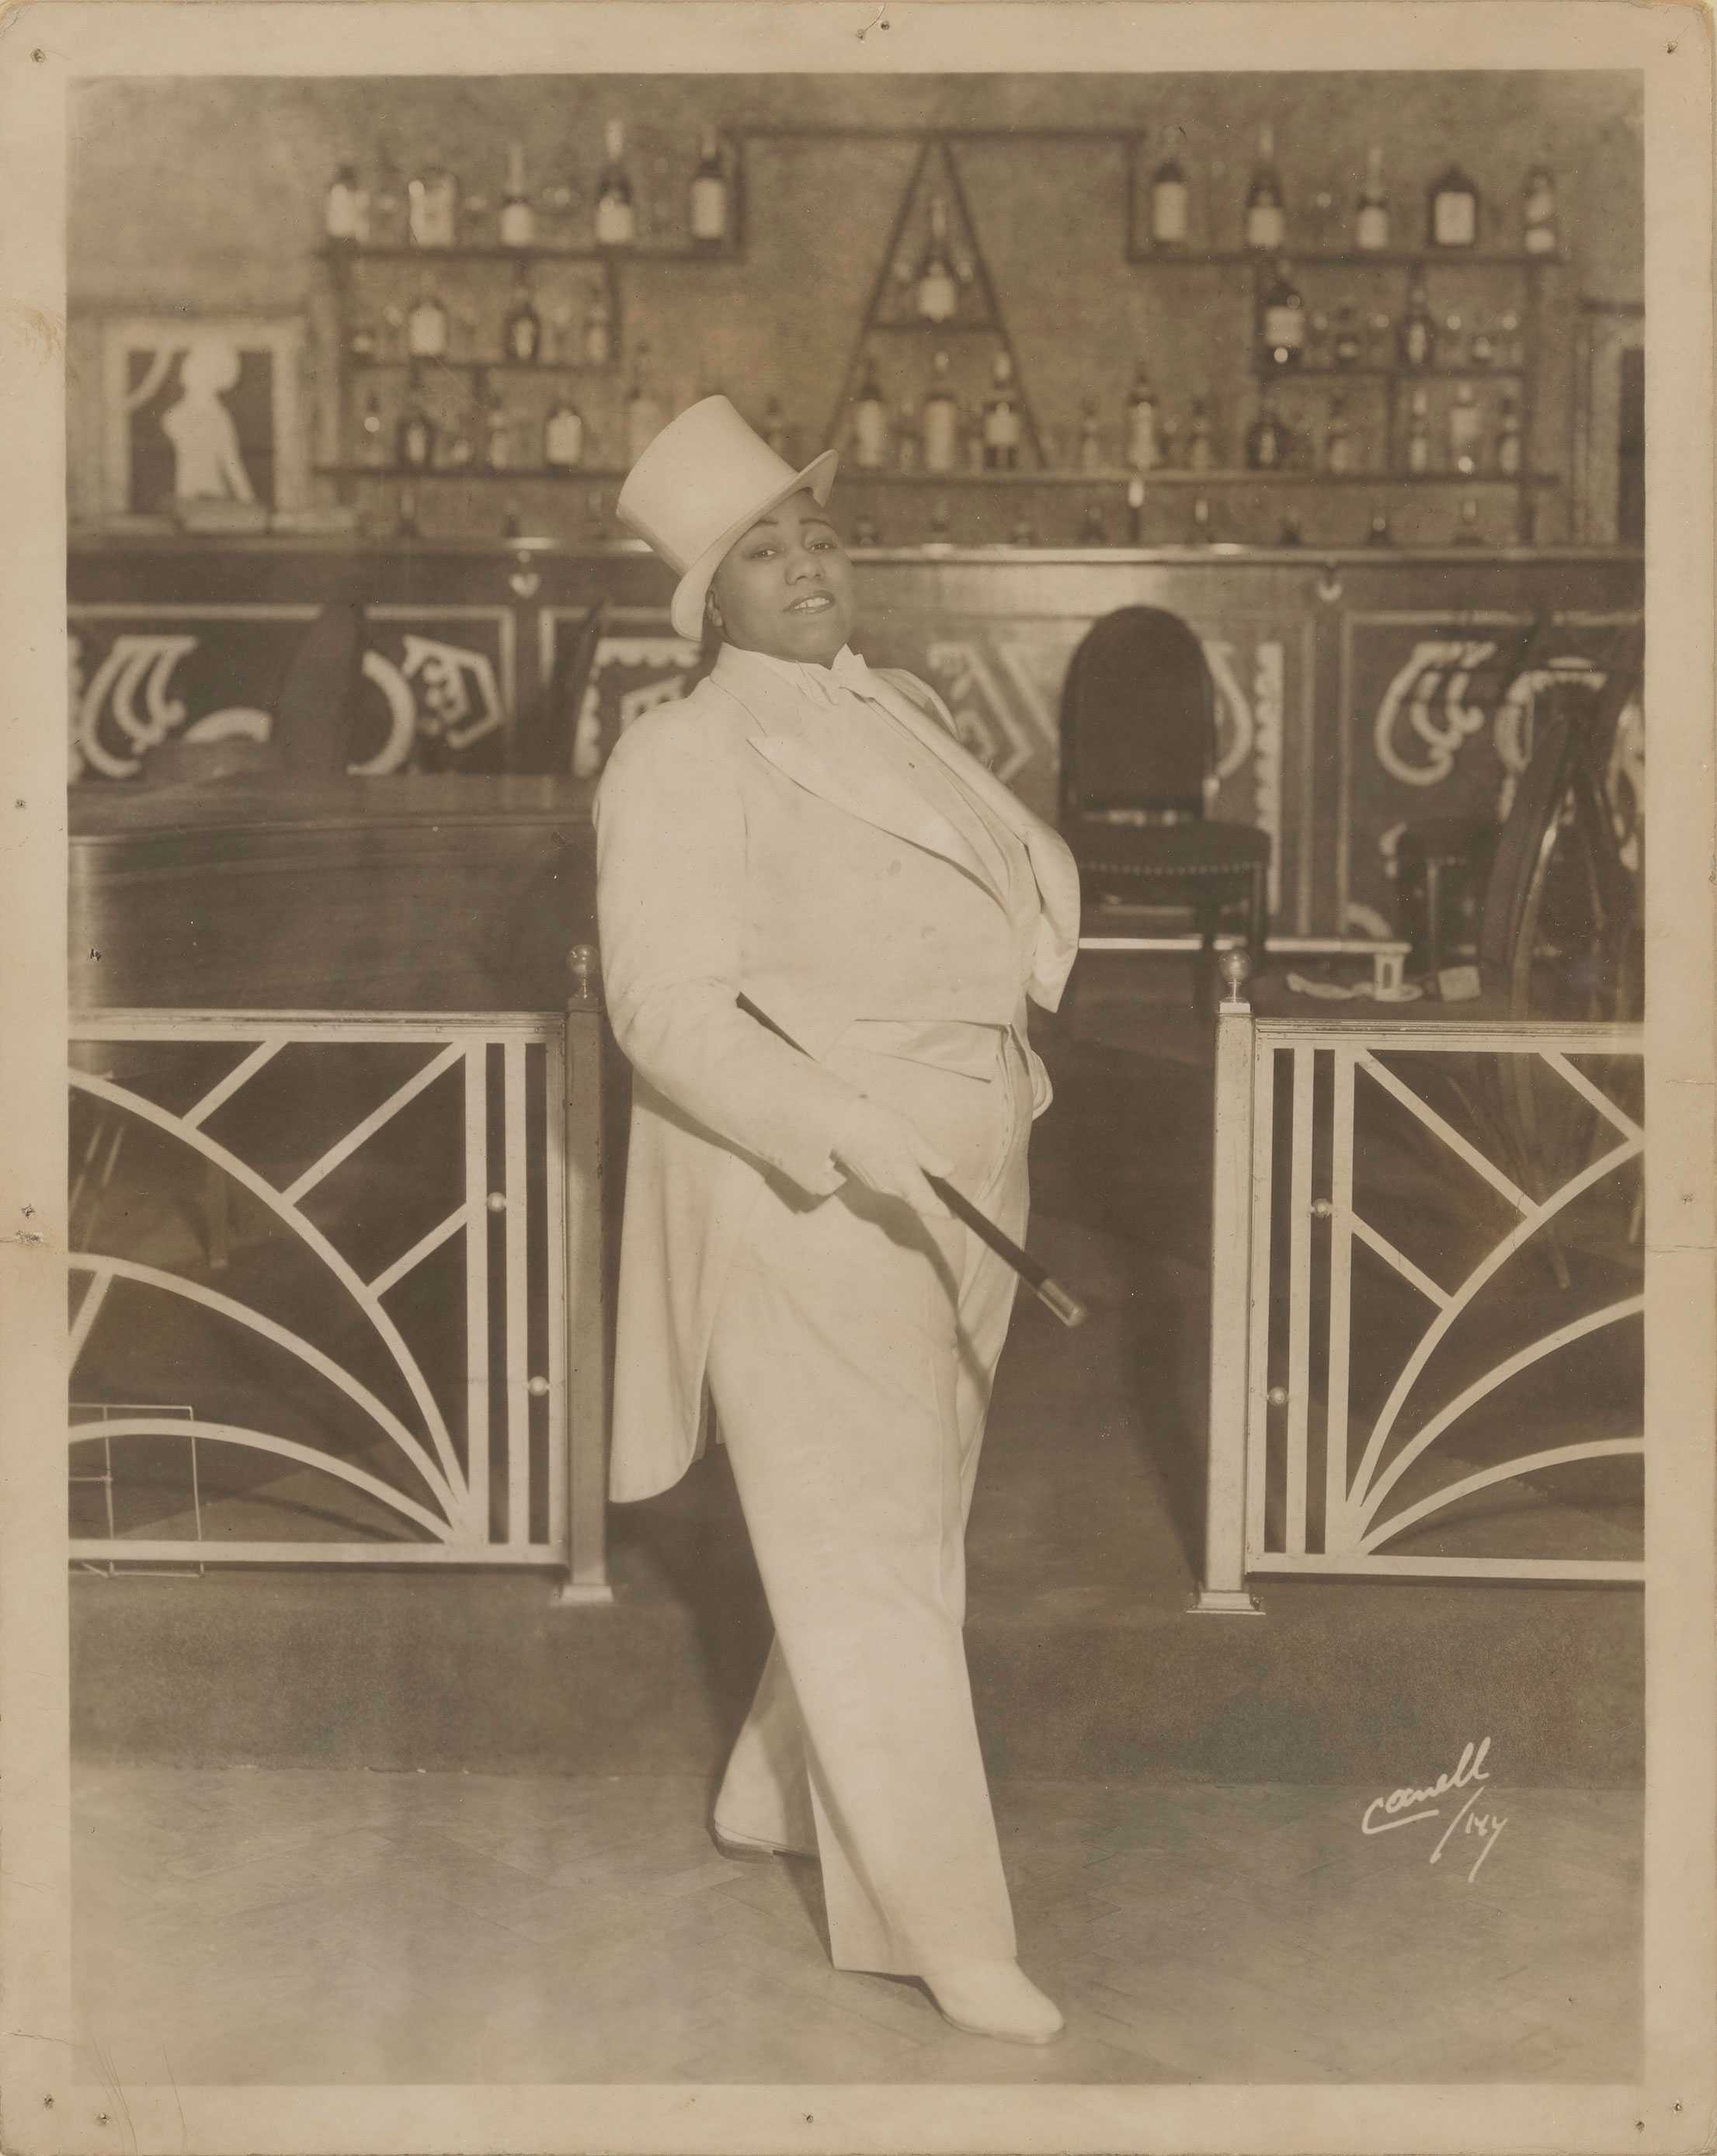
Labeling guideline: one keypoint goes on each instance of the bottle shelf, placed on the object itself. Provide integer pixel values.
(1318, 258)
(1227, 475)
(934, 329)
(376, 364)
(400, 475)
(1417, 375)
(852, 476)
(538, 251)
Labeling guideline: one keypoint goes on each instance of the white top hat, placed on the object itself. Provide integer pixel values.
(703, 481)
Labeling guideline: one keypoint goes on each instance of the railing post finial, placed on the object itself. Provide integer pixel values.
(581, 963)
(1236, 968)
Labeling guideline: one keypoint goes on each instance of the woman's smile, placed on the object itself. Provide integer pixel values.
(785, 585)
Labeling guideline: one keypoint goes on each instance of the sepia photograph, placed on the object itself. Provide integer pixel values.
(880, 1032)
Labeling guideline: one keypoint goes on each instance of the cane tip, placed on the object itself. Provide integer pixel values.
(1067, 1307)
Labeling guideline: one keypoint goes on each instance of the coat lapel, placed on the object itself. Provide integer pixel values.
(1052, 862)
(855, 785)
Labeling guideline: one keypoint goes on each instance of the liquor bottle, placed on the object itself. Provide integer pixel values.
(1168, 441)
(1379, 534)
(1538, 212)
(1201, 521)
(598, 332)
(1135, 512)
(345, 213)
(1023, 534)
(519, 214)
(564, 435)
(616, 216)
(870, 421)
(426, 329)
(1418, 329)
(644, 412)
(405, 513)
(1452, 219)
(1281, 329)
(1510, 447)
(417, 434)
(1347, 336)
(1466, 425)
(1201, 447)
(1338, 439)
(1090, 459)
(938, 295)
(1266, 441)
(941, 536)
(1002, 425)
(775, 426)
(1483, 346)
(1371, 222)
(433, 207)
(1452, 352)
(522, 334)
(456, 454)
(1265, 225)
(1318, 341)
(1467, 532)
(942, 421)
(1291, 534)
(908, 440)
(363, 345)
(1143, 448)
(497, 436)
(708, 202)
(865, 532)
(387, 201)
(1092, 532)
(1511, 345)
(1168, 200)
(1419, 433)
(371, 449)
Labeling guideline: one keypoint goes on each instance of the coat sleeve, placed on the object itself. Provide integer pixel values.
(670, 915)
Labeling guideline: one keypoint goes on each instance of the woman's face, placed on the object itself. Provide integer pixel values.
(786, 587)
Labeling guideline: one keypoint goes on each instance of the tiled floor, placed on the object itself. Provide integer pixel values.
(238, 1925)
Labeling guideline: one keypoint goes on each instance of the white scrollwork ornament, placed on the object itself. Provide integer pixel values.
(136, 667)
(1428, 695)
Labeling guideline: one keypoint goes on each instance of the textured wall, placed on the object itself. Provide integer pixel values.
(207, 195)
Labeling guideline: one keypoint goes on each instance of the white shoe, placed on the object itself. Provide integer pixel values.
(994, 1999)
(744, 1845)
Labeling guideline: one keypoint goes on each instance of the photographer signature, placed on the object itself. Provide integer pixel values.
(1408, 1807)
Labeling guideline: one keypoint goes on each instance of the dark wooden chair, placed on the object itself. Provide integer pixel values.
(1139, 751)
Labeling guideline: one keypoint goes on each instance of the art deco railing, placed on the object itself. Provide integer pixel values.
(1416, 1227)
(355, 1260)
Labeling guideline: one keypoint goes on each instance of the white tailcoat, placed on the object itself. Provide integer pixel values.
(738, 851)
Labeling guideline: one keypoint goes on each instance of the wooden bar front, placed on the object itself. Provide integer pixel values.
(1347, 697)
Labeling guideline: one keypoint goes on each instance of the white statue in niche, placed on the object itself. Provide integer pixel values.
(207, 463)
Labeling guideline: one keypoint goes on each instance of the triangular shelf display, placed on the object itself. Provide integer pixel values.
(915, 309)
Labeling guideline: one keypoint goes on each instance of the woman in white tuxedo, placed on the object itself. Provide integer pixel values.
(808, 834)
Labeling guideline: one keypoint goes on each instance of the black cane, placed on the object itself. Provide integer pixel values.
(1037, 1277)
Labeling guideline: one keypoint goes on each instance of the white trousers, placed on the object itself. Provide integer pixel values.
(851, 1365)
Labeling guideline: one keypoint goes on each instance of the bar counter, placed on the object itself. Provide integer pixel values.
(1353, 691)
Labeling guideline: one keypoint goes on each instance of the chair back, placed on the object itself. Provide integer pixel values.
(1139, 720)
(313, 706)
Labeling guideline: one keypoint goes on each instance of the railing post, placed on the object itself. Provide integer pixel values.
(586, 1278)
(1222, 1590)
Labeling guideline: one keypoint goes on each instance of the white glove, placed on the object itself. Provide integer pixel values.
(884, 1152)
